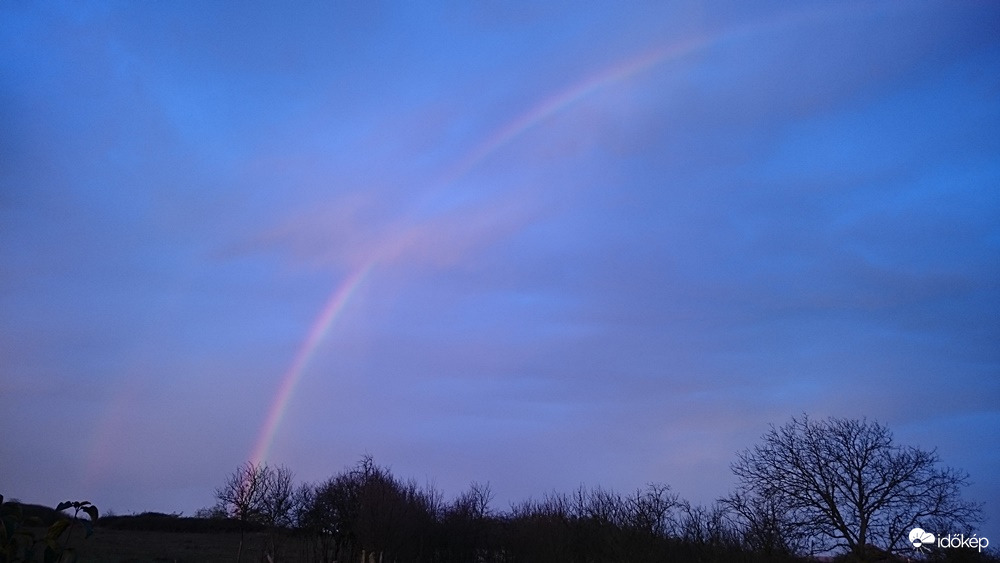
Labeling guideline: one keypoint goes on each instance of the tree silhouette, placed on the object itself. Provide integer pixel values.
(844, 483)
(257, 493)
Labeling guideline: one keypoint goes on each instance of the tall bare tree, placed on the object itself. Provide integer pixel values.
(844, 483)
(278, 497)
(243, 495)
(257, 493)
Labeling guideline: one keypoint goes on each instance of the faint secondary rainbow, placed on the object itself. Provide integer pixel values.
(290, 380)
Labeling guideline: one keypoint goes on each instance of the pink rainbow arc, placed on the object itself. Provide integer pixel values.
(554, 104)
(289, 381)
(504, 135)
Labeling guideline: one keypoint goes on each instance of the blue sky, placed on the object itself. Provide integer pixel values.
(559, 244)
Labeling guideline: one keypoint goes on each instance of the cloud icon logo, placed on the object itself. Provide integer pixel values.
(920, 538)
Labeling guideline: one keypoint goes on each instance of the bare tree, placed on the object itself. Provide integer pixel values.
(243, 496)
(366, 512)
(764, 525)
(278, 503)
(257, 493)
(466, 522)
(477, 499)
(278, 497)
(844, 483)
(650, 510)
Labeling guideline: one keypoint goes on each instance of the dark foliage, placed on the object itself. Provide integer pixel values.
(31, 531)
(365, 513)
(36, 514)
(801, 474)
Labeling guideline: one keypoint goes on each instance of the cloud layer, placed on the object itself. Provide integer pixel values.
(603, 245)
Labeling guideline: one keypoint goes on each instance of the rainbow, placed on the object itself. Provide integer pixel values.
(627, 69)
(501, 137)
(334, 305)
(556, 103)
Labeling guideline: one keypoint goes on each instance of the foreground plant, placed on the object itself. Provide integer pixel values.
(18, 542)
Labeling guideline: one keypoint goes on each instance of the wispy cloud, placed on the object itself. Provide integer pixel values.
(641, 234)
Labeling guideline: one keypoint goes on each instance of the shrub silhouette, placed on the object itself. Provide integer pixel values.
(18, 541)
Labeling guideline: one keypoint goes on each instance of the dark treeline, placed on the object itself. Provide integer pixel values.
(810, 488)
(367, 514)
